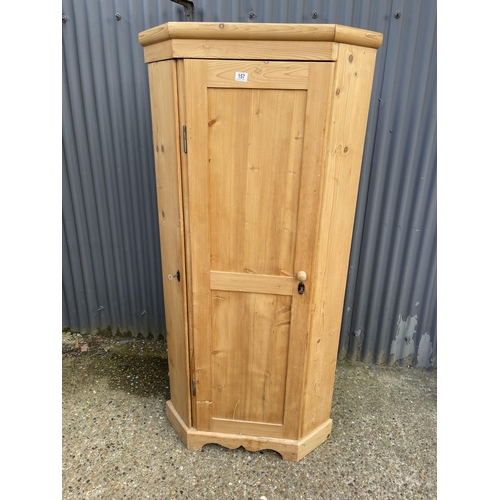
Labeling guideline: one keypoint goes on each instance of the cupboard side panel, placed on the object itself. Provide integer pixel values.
(349, 115)
(164, 114)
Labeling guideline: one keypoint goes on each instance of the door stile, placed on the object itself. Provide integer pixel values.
(181, 92)
(320, 85)
(199, 235)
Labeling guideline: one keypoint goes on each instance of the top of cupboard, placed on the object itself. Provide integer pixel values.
(261, 31)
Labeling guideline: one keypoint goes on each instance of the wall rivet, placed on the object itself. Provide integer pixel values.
(118, 16)
(314, 15)
(65, 18)
(252, 15)
(397, 14)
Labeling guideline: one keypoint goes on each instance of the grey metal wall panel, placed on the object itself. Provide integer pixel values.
(110, 269)
(111, 255)
(390, 306)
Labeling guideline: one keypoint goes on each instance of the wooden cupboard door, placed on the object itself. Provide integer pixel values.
(255, 135)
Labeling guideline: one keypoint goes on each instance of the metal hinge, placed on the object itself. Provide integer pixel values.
(193, 387)
(184, 137)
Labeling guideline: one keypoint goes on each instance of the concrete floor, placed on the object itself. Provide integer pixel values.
(118, 444)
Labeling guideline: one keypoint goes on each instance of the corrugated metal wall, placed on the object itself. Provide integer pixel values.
(111, 255)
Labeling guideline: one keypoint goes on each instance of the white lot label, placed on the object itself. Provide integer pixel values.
(241, 77)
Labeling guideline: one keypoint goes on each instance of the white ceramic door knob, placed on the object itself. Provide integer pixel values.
(301, 276)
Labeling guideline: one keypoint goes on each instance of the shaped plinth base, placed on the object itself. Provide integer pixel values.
(289, 449)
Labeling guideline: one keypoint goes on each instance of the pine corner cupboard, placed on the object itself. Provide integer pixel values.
(258, 134)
